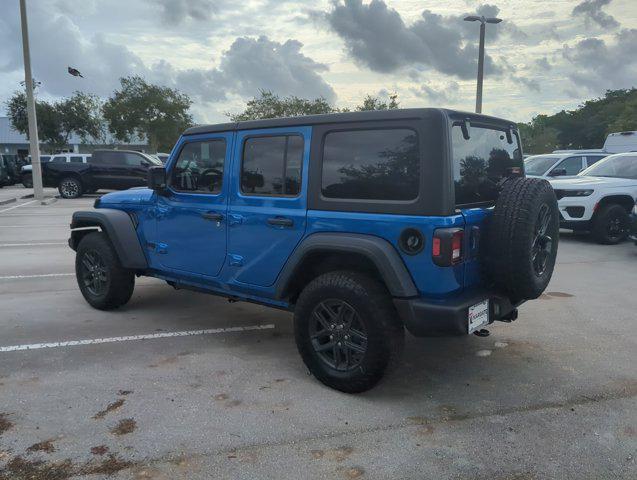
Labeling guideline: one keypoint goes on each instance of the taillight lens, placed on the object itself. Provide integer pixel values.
(447, 246)
(456, 246)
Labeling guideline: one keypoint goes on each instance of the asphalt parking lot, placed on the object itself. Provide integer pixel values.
(551, 395)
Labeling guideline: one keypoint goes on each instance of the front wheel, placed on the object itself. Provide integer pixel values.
(610, 225)
(104, 283)
(347, 330)
(70, 187)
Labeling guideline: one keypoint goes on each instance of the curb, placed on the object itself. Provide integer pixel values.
(48, 201)
(30, 195)
(9, 200)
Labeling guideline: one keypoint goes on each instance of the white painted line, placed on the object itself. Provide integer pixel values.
(31, 244)
(94, 341)
(44, 275)
(17, 206)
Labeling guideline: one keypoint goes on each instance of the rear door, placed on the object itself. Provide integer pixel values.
(267, 210)
(480, 162)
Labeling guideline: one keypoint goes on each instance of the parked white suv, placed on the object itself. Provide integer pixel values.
(26, 171)
(600, 198)
(559, 164)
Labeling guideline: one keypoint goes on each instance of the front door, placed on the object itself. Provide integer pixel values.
(267, 212)
(191, 215)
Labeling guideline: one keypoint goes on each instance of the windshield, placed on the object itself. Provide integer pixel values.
(539, 165)
(618, 166)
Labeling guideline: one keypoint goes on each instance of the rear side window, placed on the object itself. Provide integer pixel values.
(480, 162)
(272, 165)
(76, 159)
(592, 159)
(59, 159)
(132, 159)
(371, 165)
(199, 167)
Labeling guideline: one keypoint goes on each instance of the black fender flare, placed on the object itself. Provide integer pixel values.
(379, 251)
(119, 227)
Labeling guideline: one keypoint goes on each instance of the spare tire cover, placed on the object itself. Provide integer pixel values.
(523, 236)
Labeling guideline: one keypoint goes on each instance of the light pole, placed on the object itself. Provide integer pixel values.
(36, 171)
(483, 21)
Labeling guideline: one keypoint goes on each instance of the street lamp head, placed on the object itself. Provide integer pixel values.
(493, 20)
(472, 18)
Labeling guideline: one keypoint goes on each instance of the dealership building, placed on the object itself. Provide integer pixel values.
(13, 142)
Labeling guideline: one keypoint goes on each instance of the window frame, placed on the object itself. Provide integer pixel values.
(346, 130)
(285, 164)
(479, 123)
(435, 195)
(170, 167)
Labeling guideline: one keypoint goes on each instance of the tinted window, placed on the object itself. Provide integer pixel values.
(592, 159)
(572, 165)
(199, 167)
(539, 165)
(480, 162)
(371, 165)
(58, 159)
(76, 159)
(272, 165)
(109, 158)
(133, 160)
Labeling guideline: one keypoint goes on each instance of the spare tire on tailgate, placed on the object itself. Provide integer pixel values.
(523, 237)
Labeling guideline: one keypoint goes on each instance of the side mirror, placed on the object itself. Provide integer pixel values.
(157, 179)
(557, 172)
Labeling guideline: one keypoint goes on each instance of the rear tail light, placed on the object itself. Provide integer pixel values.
(447, 246)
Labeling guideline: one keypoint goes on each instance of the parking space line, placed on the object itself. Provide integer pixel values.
(43, 275)
(39, 244)
(17, 206)
(129, 338)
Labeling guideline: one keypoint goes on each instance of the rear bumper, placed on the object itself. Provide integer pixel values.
(426, 318)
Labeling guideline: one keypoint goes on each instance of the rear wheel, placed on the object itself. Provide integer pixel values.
(27, 180)
(347, 330)
(610, 225)
(70, 187)
(104, 283)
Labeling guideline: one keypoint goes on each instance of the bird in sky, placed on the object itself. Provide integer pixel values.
(75, 72)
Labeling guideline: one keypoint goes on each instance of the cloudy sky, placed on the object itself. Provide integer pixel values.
(543, 57)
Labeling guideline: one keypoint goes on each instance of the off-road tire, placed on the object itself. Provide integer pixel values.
(70, 187)
(372, 302)
(601, 230)
(513, 237)
(27, 180)
(120, 281)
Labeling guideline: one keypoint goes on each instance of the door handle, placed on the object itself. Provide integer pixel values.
(214, 216)
(280, 222)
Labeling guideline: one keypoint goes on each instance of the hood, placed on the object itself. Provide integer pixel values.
(586, 181)
(133, 195)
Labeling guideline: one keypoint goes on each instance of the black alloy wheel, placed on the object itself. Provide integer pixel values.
(338, 335)
(542, 242)
(94, 273)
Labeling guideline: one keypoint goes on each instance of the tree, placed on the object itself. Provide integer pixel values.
(270, 105)
(160, 114)
(585, 127)
(78, 114)
(377, 103)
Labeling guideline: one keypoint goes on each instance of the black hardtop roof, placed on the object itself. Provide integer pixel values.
(349, 117)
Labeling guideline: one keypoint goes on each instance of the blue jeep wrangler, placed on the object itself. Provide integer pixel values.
(363, 224)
